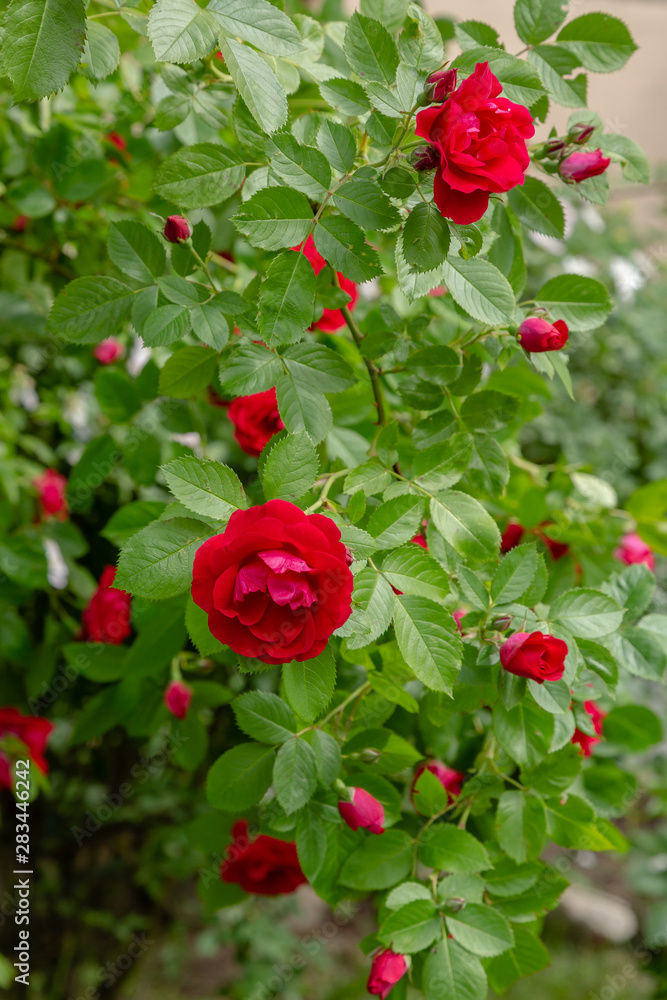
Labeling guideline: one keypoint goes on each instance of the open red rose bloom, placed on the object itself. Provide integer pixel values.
(331, 319)
(534, 655)
(481, 139)
(275, 583)
(266, 866)
(33, 732)
(256, 419)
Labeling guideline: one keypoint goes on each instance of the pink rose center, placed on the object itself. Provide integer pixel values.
(280, 574)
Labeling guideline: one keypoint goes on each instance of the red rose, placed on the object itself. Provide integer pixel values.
(419, 540)
(108, 351)
(386, 970)
(363, 811)
(331, 319)
(511, 536)
(581, 165)
(585, 741)
(256, 419)
(19, 224)
(481, 139)
(534, 655)
(176, 229)
(634, 549)
(457, 616)
(556, 549)
(451, 780)
(275, 583)
(107, 617)
(266, 866)
(177, 698)
(52, 489)
(33, 733)
(440, 85)
(117, 140)
(537, 335)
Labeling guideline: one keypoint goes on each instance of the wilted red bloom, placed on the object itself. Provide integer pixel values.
(534, 655)
(581, 165)
(511, 536)
(633, 549)
(177, 698)
(364, 811)
(386, 970)
(52, 489)
(256, 419)
(451, 780)
(585, 741)
(331, 319)
(108, 351)
(107, 617)
(176, 229)
(537, 335)
(33, 733)
(266, 866)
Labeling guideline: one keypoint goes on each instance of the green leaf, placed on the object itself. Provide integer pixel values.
(489, 410)
(88, 310)
(309, 684)
(165, 325)
(264, 717)
(99, 454)
(156, 562)
(428, 641)
(258, 22)
(412, 570)
(437, 468)
(602, 43)
(188, 372)
(374, 596)
(300, 167)
(327, 756)
(425, 237)
(640, 653)
(554, 63)
(249, 369)
(210, 326)
(396, 521)
(371, 477)
(536, 20)
(379, 863)
(240, 778)
(393, 753)
(632, 727)
(479, 288)
(257, 84)
(451, 973)
(180, 32)
(345, 96)
(571, 823)
(556, 773)
(447, 848)
(274, 218)
(633, 159)
(102, 51)
(436, 363)
(429, 795)
(201, 175)
(341, 242)
(303, 409)
(586, 613)
(338, 144)
(411, 928)
(524, 732)
(391, 13)
(521, 825)
(465, 524)
(481, 930)
(286, 299)
(294, 774)
(290, 468)
(117, 395)
(420, 42)
(42, 44)
(98, 661)
(207, 488)
(370, 49)
(314, 366)
(515, 574)
(100, 714)
(527, 957)
(363, 202)
(583, 303)
(538, 207)
(196, 623)
(136, 251)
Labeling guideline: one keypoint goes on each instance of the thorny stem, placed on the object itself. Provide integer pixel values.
(350, 698)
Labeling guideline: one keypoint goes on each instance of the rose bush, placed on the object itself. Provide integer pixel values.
(300, 556)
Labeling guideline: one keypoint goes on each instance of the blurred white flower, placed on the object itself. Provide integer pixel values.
(579, 265)
(138, 357)
(628, 279)
(57, 571)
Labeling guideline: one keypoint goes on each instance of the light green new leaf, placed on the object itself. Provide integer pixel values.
(180, 31)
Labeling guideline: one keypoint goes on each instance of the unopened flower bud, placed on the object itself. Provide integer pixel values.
(177, 698)
(551, 150)
(176, 229)
(502, 623)
(580, 133)
(455, 903)
(581, 165)
(440, 85)
(425, 158)
(370, 756)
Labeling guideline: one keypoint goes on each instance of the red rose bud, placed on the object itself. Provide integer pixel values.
(425, 158)
(481, 139)
(451, 780)
(511, 536)
(177, 698)
(275, 583)
(534, 655)
(556, 549)
(386, 970)
(585, 741)
(363, 812)
(501, 623)
(457, 616)
(52, 489)
(117, 140)
(256, 419)
(537, 335)
(266, 866)
(108, 351)
(440, 85)
(580, 133)
(331, 319)
(107, 617)
(634, 549)
(176, 229)
(19, 224)
(581, 165)
(32, 731)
